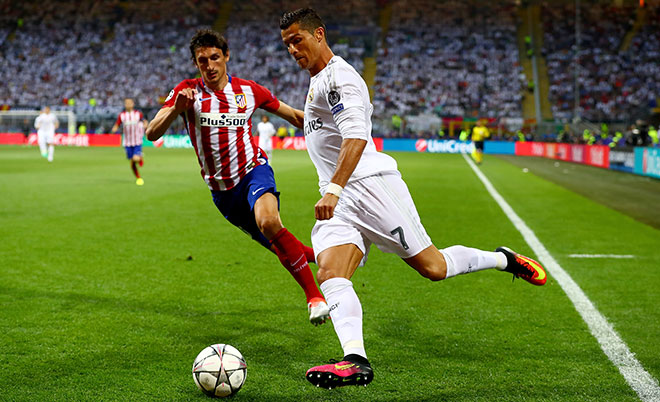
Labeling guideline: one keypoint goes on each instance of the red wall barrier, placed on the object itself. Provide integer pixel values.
(11, 139)
(594, 155)
(96, 140)
(298, 143)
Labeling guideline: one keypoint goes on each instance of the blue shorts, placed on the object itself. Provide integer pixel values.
(131, 151)
(237, 204)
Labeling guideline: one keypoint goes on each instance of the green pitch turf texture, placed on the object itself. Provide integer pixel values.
(109, 290)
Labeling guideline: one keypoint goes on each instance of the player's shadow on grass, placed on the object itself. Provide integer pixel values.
(209, 323)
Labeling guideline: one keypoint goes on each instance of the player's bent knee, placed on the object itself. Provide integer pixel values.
(434, 274)
(325, 273)
(269, 224)
(430, 263)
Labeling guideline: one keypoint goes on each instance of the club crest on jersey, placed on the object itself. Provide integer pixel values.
(222, 119)
(240, 100)
(310, 96)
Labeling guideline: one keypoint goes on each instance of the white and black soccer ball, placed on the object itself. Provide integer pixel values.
(219, 370)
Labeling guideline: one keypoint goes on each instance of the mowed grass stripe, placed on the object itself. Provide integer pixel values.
(105, 305)
(614, 347)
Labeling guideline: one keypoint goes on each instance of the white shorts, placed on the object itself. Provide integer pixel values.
(376, 209)
(45, 138)
(266, 147)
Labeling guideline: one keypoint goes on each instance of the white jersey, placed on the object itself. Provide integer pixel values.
(45, 124)
(266, 131)
(337, 108)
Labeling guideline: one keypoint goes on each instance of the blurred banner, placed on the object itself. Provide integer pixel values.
(622, 159)
(594, 155)
(641, 161)
(647, 162)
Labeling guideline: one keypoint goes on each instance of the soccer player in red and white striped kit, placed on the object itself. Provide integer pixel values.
(133, 124)
(217, 111)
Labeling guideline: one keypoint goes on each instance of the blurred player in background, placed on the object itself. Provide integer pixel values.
(46, 124)
(217, 110)
(133, 124)
(479, 134)
(266, 131)
(364, 200)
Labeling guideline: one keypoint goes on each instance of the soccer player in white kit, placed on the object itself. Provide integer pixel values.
(364, 200)
(46, 124)
(266, 132)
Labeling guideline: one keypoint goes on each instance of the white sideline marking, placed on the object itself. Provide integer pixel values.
(614, 347)
(601, 256)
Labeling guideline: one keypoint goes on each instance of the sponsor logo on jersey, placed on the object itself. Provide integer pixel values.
(333, 97)
(222, 119)
(337, 108)
(313, 125)
(240, 100)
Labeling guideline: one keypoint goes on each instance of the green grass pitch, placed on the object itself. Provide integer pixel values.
(100, 301)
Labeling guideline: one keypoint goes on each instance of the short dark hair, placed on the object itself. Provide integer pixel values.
(308, 19)
(208, 38)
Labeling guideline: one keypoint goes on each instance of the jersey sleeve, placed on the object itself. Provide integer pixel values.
(171, 98)
(118, 122)
(345, 101)
(264, 99)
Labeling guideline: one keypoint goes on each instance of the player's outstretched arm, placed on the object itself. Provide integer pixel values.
(161, 123)
(185, 100)
(293, 116)
(349, 156)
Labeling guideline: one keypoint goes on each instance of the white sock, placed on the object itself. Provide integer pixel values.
(51, 151)
(463, 260)
(43, 149)
(346, 314)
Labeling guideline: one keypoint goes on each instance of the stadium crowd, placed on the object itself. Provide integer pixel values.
(436, 59)
(257, 52)
(104, 51)
(65, 52)
(452, 58)
(614, 83)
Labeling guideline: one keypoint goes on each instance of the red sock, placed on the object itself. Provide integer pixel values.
(135, 171)
(289, 250)
(309, 253)
(141, 162)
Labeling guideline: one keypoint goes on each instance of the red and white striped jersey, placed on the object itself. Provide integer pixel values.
(220, 128)
(132, 127)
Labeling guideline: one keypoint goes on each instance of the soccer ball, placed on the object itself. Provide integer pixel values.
(219, 370)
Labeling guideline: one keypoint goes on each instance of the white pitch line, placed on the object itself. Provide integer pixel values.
(610, 342)
(615, 256)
